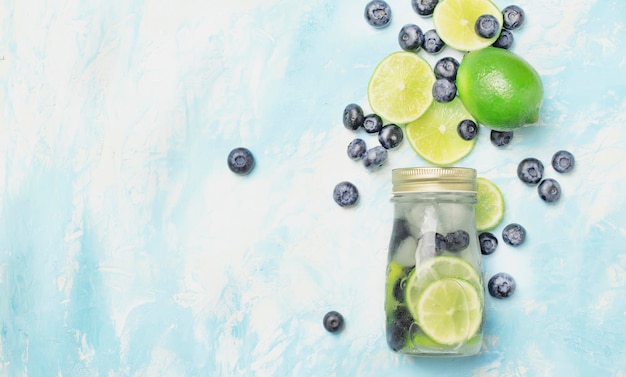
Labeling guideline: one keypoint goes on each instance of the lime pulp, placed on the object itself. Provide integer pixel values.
(400, 88)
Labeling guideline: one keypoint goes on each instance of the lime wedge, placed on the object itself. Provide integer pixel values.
(450, 311)
(454, 21)
(400, 89)
(489, 205)
(434, 136)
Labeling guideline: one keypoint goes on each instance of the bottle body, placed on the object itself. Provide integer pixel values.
(434, 290)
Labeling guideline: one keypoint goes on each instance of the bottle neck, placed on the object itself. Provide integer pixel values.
(464, 197)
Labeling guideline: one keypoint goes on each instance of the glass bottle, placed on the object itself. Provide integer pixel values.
(434, 291)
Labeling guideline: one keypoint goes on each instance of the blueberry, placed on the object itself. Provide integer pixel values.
(378, 13)
(424, 7)
(375, 157)
(432, 242)
(457, 240)
(500, 138)
(514, 234)
(390, 136)
(333, 321)
(530, 170)
(240, 161)
(432, 43)
(563, 161)
(488, 243)
(372, 123)
(410, 37)
(513, 17)
(353, 116)
(403, 317)
(505, 40)
(345, 194)
(501, 285)
(549, 190)
(396, 336)
(399, 285)
(487, 26)
(446, 68)
(356, 149)
(444, 90)
(398, 328)
(467, 129)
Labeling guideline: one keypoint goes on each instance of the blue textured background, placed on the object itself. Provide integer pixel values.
(127, 248)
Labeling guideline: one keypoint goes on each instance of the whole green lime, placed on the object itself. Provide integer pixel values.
(499, 88)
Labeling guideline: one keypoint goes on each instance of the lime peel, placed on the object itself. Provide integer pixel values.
(499, 88)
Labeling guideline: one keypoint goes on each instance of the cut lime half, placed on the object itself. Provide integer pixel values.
(489, 205)
(434, 136)
(454, 22)
(400, 89)
(449, 311)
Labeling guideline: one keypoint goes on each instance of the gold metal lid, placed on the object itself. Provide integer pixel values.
(429, 179)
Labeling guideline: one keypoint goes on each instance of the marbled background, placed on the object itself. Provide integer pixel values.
(127, 247)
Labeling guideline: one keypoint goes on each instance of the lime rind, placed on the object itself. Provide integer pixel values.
(434, 136)
(454, 22)
(450, 311)
(489, 206)
(400, 88)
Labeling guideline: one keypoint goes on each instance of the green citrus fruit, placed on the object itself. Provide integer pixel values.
(400, 89)
(434, 135)
(454, 22)
(437, 268)
(395, 272)
(489, 205)
(500, 89)
(450, 311)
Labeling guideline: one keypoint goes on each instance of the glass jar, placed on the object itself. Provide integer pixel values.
(434, 292)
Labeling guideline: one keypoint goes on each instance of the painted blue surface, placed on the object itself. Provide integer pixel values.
(127, 248)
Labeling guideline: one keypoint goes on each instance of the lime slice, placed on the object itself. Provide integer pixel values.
(434, 269)
(489, 205)
(454, 21)
(434, 136)
(437, 268)
(400, 89)
(395, 272)
(450, 311)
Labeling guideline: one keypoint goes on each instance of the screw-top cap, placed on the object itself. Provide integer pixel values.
(433, 179)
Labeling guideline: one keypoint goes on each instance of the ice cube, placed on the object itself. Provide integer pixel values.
(399, 233)
(405, 253)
